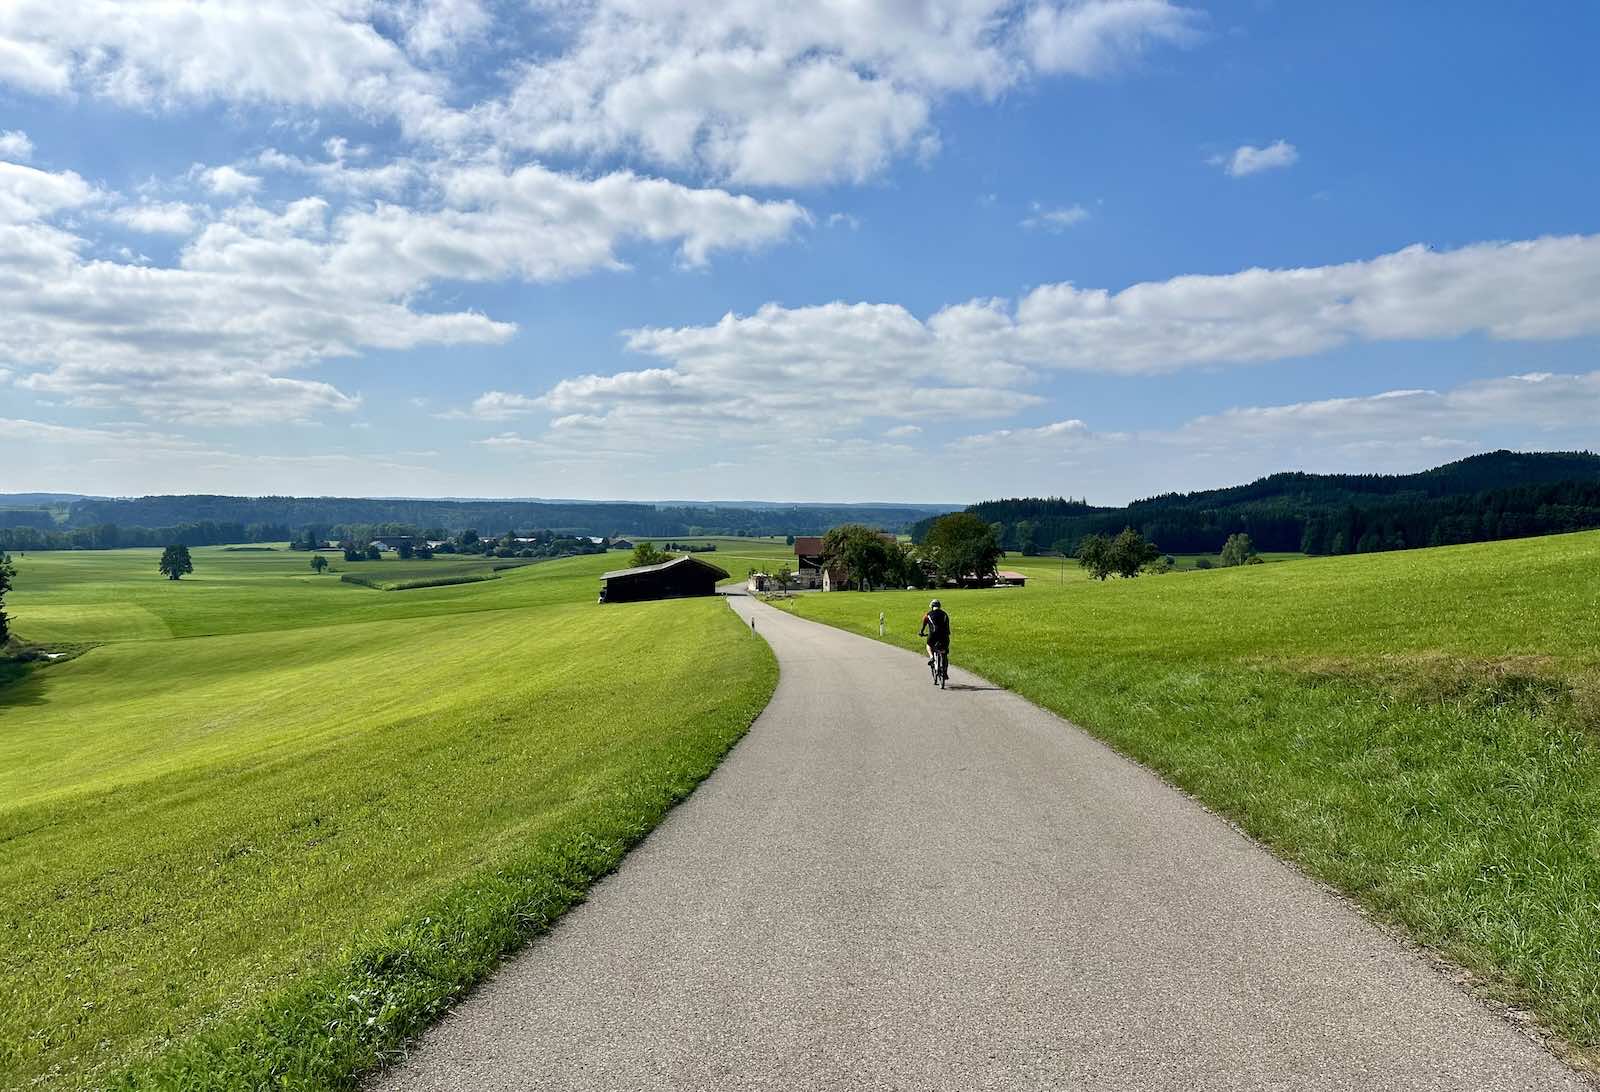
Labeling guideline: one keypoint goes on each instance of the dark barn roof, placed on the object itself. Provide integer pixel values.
(675, 579)
(722, 574)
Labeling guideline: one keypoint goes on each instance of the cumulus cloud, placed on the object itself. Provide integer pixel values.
(296, 53)
(828, 369)
(259, 291)
(15, 145)
(158, 217)
(1247, 159)
(1096, 36)
(1054, 220)
(768, 93)
(226, 181)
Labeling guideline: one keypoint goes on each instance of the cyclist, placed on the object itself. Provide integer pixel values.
(936, 628)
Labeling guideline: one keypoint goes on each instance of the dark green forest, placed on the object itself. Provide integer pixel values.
(1501, 494)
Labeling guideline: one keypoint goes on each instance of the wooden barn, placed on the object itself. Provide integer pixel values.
(676, 579)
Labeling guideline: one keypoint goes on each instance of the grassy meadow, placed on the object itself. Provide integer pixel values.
(1419, 729)
(270, 823)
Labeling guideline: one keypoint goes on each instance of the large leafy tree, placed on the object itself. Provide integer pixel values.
(319, 563)
(865, 556)
(961, 545)
(175, 562)
(645, 553)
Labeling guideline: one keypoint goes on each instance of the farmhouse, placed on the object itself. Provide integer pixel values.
(621, 544)
(1014, 579)
(676, 579)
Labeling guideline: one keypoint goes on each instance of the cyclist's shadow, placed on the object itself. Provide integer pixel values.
(968, 686)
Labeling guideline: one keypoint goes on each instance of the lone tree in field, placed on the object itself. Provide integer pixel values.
(175, 562)
(783, 578)
(319, 563)
(646, 554)
(1238, 550)
(8, 572)
(865, 556)
(961, 545)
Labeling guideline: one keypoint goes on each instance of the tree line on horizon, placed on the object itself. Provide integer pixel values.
(198, 520)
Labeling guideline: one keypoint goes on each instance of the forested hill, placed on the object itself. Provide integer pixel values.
(94, 522)
(1502, 494)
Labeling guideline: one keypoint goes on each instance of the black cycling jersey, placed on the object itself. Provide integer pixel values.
(936, 627)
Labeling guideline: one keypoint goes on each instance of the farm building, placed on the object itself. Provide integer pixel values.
(676, 579)
(621, 544)
(1015, 579)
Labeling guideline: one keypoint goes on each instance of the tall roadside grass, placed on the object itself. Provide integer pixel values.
(1420, 730)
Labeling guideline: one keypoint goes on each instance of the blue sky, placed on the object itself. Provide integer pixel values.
(841, 251)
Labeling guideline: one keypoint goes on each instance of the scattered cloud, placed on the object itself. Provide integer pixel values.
(258, 291)
(768, 93)
(1054, 220)
(15, 145)
(158, 217)
(1247, 159)
(226, 181)
(903, 432)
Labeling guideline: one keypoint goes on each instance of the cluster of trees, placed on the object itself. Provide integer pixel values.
(958, 547)
(1498, 495)
(1126, 555)
(691, 548)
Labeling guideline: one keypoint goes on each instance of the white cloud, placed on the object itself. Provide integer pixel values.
(336, 175)
(158, 217)
(1390, 432)
(498, 406)
(754, 91)
(1093, 37)
(903, 432)
(297, 53)
(769, 93)
(1247, 159)
(226, 181)
(1054, 220)
(15, 145)
(260, 291)
(28, 194)
(828, 369)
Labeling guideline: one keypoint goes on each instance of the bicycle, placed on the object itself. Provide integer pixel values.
(940, 667)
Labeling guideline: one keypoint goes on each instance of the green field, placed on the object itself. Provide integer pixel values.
(270, 823)
(1420, 729)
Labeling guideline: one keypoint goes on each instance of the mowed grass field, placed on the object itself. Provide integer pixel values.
(1418, 729)
(271, 823)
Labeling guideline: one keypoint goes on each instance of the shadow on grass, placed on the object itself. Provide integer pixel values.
(21, 683)
(966, 686)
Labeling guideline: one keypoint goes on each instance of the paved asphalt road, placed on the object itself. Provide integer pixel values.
(886, 886)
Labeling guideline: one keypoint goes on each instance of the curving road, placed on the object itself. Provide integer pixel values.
(889, 887)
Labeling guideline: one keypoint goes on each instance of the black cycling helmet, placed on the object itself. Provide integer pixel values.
(933, 604)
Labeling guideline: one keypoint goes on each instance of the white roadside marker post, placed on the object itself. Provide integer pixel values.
(880, 623)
